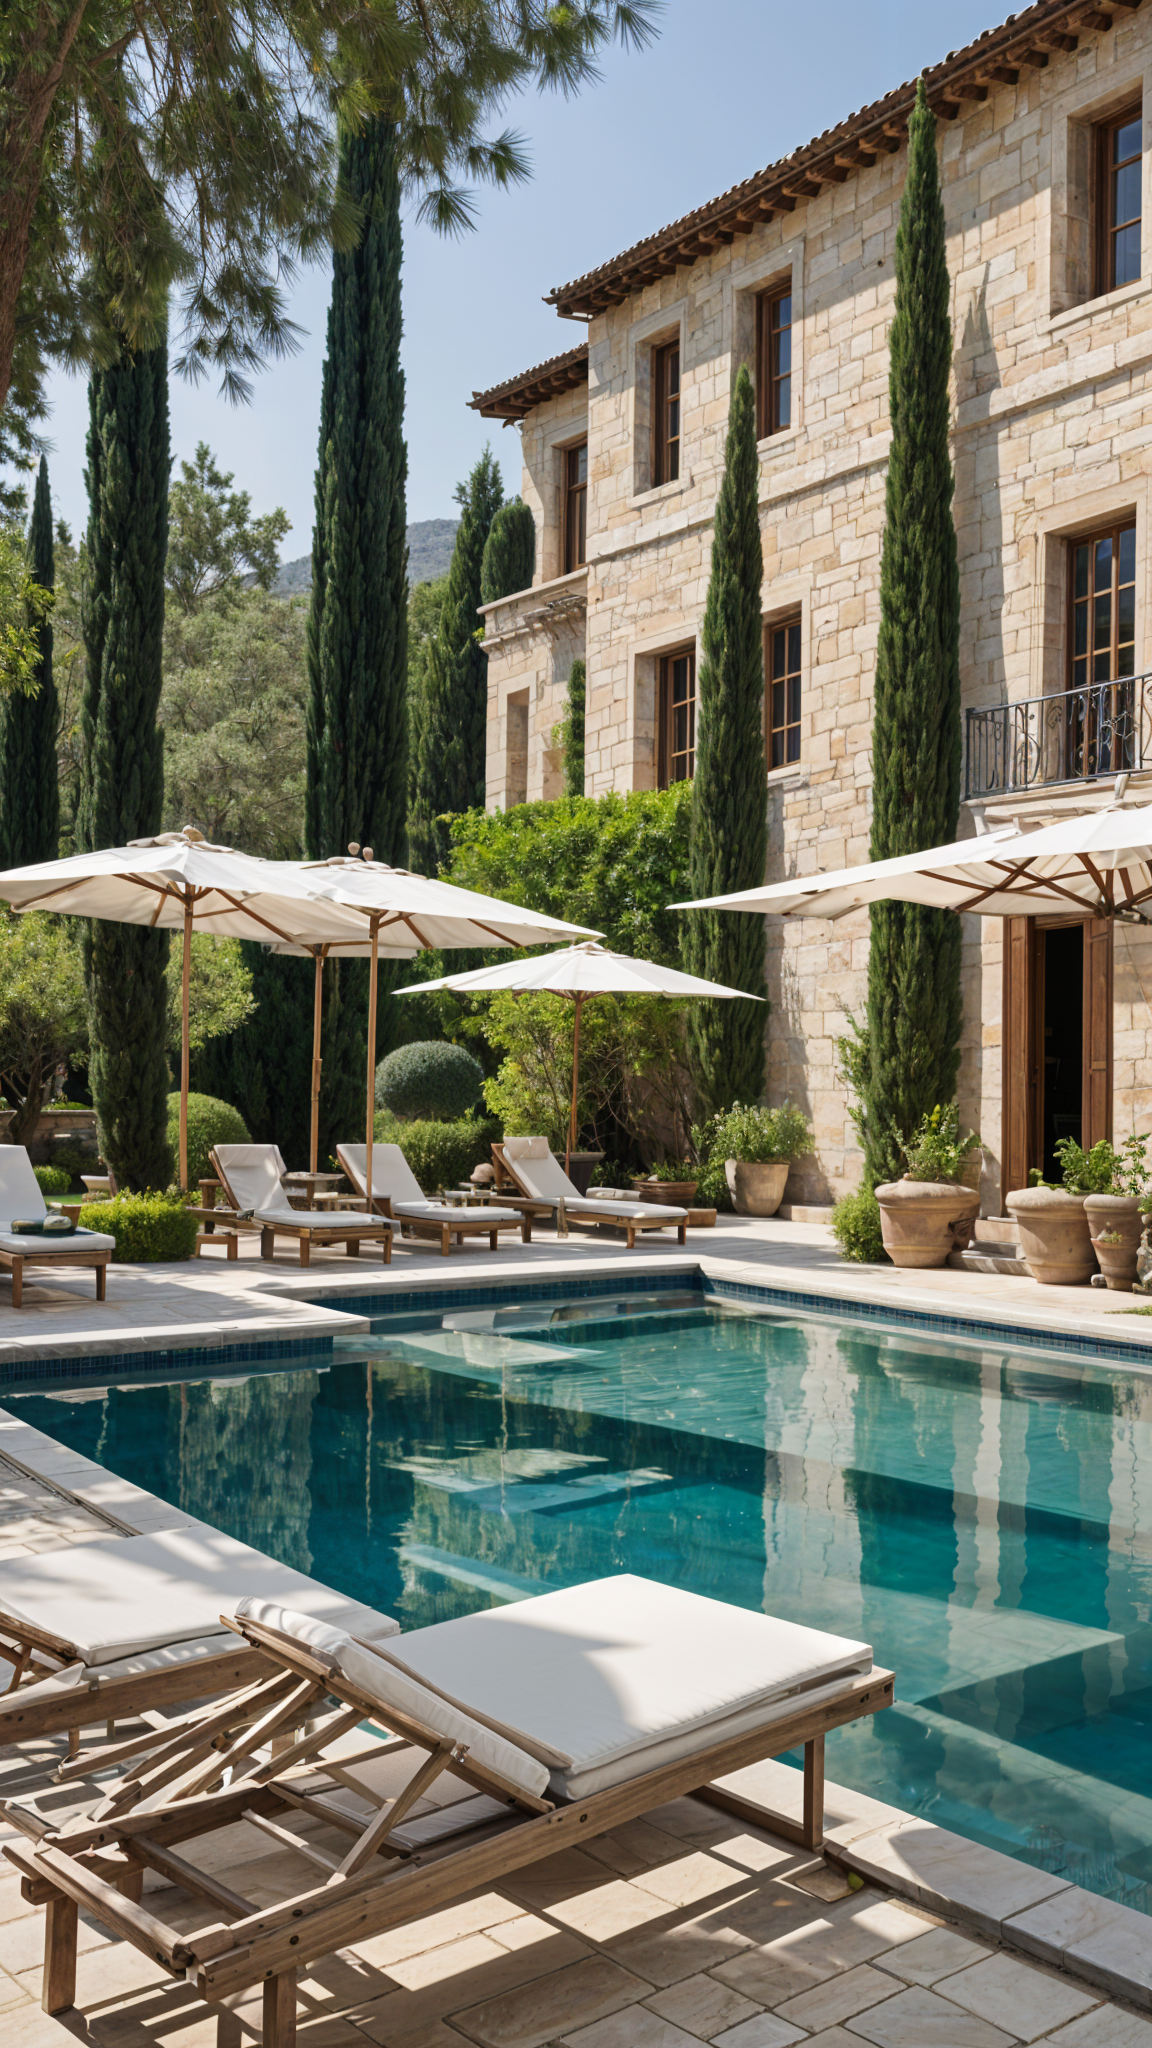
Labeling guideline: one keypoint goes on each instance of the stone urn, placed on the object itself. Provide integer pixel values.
(756, 1186)
(581, 1167)
(1054, 1235)
(921, 1221)
(1112, 1217)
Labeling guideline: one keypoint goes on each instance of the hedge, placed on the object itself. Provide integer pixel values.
(52, 1180)
(210, 1122)
(147, 1228)
(442, 1155)
(429, 1079)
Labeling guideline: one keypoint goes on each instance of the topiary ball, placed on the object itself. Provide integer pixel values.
(429, 1080)
(210, 1122)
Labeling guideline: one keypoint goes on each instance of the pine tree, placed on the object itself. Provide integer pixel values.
(509, 560)
(574, 730)
(454, 712)
(122, 772)
(914, 1002)
(29, 786)
(729, 846)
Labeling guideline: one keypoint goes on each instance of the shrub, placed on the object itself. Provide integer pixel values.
(756, 1135)
(147, 1228)
(938, 1152)
(712, 1190)
(210, 1122)
(52, 1180)
(856, 1227)
(74, 1161)
(429, 1080)
(441, 1155)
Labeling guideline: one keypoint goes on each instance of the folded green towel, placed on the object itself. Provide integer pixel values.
(42, 1226)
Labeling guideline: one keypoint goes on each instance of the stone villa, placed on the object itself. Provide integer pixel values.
(1041, 128)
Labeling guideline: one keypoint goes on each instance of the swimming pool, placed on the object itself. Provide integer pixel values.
(982, 1517)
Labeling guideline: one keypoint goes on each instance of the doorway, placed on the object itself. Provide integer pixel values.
(1057, 1042)
(1061, 1105)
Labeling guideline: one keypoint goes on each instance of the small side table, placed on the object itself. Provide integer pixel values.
(308, 1185)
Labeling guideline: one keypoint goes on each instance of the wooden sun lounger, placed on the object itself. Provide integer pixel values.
(579, 1209)
(415, 1215)
(389, 1864)
(310, 1228)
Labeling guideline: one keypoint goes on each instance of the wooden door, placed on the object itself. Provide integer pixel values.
(1097, 1112)
(1021, 1042)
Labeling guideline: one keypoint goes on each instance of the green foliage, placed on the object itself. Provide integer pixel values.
(52, 1180)
(209, 1123)
(1087, 1173)
(673, 1170)
(856, 1227)
(429, 1080)
(122, 770)
(914, 1005)
(509, 559)
(750, 1132)
(148, 1228)
(43, 1013)
(220, 996)
(442, 1155)
(233, 712)
(425, 604)
(24, 605)
(729, 808)
(712, 1189)
(569, 732)
(937, 1151)
(631, 1062)
(71, 1160)
(212, 534)
(448, 775)
(265, 1065)
(29, 785)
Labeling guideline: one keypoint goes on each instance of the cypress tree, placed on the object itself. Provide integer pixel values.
(29, 786)
(122, 769)
(914, 1005)
(453, 716)
(574, 730)
(729, 843)
(509, 560)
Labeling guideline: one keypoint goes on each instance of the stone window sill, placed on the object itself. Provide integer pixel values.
(775, 444)
(660, 493)
(1093, 309)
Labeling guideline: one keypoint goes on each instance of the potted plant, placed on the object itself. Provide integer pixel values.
(1115, 1218)
(673, 1180)
(1055, 1234)
(758, 1146)
(930, 1213)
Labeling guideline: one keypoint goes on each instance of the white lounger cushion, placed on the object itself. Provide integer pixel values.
(251, 1173)
(21, 1200)
(33, 1247)
(135, 1594)
(394, 1181)
(392, 1687)
(546, 1181)
(622, 1675)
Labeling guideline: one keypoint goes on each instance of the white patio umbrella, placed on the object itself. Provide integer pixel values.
(578, 973)
(178, 882)
(397, 914)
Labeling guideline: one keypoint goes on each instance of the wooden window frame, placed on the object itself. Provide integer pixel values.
(1112, 532)
(666, 445)
(788, 726)
(575, 533)
(769, 376)
(666, 753)
(1106, 228)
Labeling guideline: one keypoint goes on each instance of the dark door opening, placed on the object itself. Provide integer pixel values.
(1062, 1083)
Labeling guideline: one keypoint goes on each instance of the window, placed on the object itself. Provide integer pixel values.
(1119, 169)
(575, 506)
(666, 413)
(1099, 718)
(677, 729)
(774, 360)
(782, 724)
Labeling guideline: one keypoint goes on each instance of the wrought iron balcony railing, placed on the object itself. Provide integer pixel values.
(1075, 736)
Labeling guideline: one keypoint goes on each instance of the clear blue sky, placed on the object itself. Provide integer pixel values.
(730, 86)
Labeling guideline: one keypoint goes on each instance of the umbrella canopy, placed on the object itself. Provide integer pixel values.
(577, 973)
(178, 882)
(1099, 863)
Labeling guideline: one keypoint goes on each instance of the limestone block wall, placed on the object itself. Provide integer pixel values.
(531, 640)
(544, 435)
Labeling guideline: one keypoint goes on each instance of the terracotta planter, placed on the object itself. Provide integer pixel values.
(679, 1193)
(921, 1221)
(1115, 1215)
(756, 1186)
(1054, 1235)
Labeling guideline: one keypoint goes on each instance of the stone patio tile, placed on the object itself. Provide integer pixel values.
(671, 1952)
(1107, 2027)
(692, 1820)
(765, 2031)
(1099, 1938)
(635, 2028)
(453, 1959)
(836, 1937)
(838, 1998)
(955, 1876)
(756, 1851)
(22, 1942)
(541, 2011)
(520, 1932)
(922, 2019)
(636, 1846)
(542, 1885)
(690, 1879)
(471, 1916)
(1016, 1995)
(703, 2005)
(772, 1975)
(615, 1907)
(507, 1974)
(935, 1954)
(769, 1910)
(103, 1973)
(33, 2029)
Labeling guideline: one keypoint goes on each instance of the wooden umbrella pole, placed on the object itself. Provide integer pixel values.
(185, 984)
(317, 1013)
(575, 1080)
(371, 1058)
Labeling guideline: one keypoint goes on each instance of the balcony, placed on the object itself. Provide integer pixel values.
(1077, 736)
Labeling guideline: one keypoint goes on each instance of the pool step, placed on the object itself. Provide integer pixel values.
(995, 1248)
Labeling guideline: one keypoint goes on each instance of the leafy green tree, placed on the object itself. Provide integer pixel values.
(122, 772)
(68, 663)
(194, 146)
(212, 535)
(449, 770)
(29, 783)
(914, 1002)
(220, 996)
(425, 603)
(729, 803)
(508, 563)
(570, 731)
(233, 710)
(43, 1012)
(264, 1066)
(24, 605)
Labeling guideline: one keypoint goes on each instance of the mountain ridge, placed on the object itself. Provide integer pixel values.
(430, 545)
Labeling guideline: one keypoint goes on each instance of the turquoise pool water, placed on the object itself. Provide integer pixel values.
(983, 1518)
